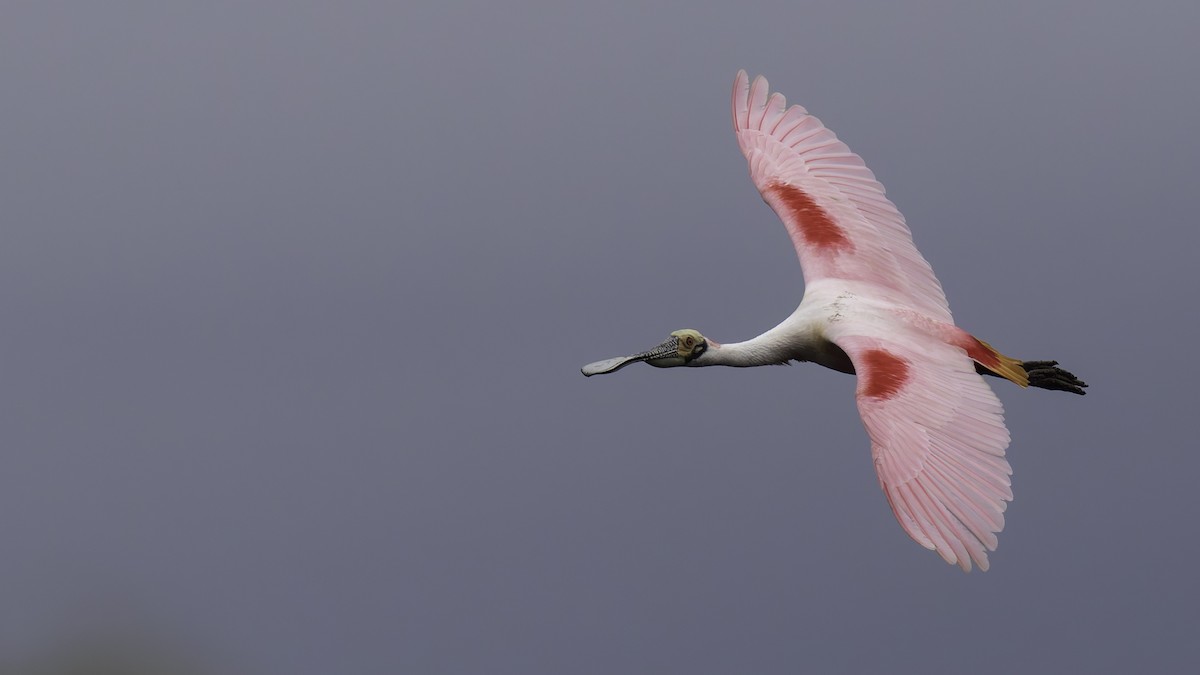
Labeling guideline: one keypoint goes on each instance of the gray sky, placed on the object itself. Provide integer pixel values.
(296, 295)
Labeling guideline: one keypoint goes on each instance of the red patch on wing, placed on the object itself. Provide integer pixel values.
(818, 228)
(883, 373)
(978, 351)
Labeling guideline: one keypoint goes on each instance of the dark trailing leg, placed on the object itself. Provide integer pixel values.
(1047, 375)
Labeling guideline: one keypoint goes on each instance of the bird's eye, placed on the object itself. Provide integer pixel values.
(689, 341)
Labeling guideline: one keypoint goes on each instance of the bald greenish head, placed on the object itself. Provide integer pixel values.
(683, 347)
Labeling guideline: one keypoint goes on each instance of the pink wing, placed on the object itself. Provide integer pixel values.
(835, 211)
(938, 439)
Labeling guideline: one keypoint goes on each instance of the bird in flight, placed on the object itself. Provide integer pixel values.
(872, 307)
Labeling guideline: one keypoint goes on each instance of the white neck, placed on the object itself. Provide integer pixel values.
(777, 346)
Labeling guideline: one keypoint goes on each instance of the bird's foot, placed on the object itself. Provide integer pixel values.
(1047, 375)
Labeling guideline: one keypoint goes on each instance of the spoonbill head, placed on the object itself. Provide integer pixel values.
(683, 348)
(872, 307)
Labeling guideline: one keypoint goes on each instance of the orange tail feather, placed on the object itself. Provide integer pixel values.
(1004, 366)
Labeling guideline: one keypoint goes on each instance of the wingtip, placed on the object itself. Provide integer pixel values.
(759, 89)
(740, 99)
(749, 97)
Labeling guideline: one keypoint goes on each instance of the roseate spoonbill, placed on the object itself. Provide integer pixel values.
(873, 307)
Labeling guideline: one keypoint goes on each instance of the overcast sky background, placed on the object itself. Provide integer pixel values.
(295, 297)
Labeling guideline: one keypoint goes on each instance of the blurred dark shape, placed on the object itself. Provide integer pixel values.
(93, 656)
